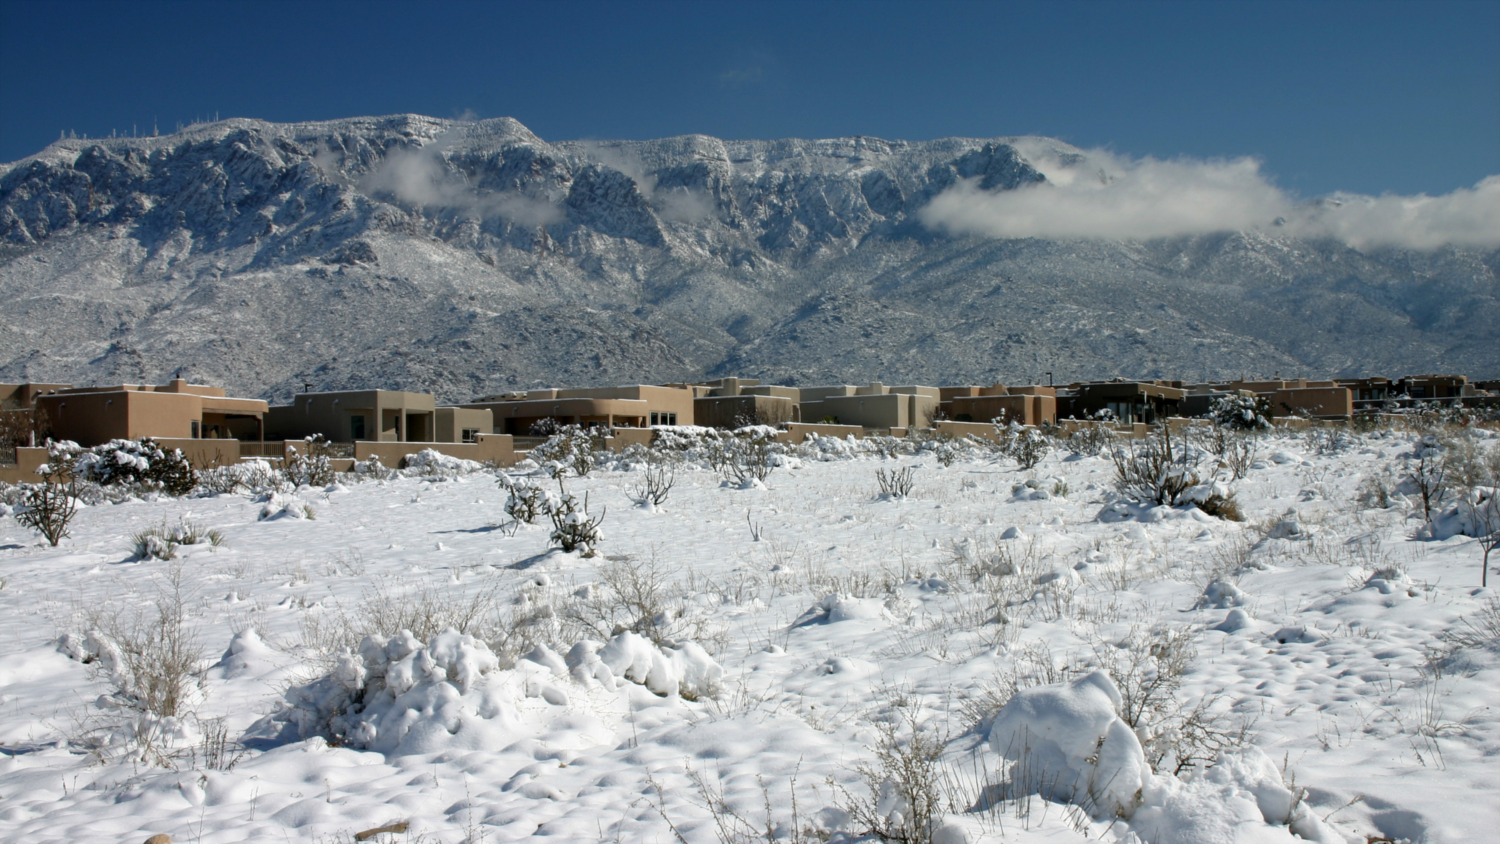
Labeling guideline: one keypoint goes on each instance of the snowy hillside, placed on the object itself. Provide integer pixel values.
(470, 257)
(1016, 655)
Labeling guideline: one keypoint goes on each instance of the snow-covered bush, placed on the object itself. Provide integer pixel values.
(573, 529)
(1156, 470)
(162, 541)
(430, 462)
(571, 449)
(140, 464)
(1241, 413)
(249, 476)
(373, 469)
(1067, 742)
(525, 502)
(311, 465)
(1090, 440)
(658, 475)
(751, 454)
(1026, 446)
(276, 505)
(398, 695)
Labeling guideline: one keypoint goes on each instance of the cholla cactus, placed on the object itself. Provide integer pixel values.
(525, 500)
(573, 529)
(1027, 446)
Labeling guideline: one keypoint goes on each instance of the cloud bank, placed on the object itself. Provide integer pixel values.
(1104, 196)
(421, 177)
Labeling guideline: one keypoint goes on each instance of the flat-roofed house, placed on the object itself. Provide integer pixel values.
(356, 415)
(1129, 401)
(177, 410)
(872, 406)
(633, 406)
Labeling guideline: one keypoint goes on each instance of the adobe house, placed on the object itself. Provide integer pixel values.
(634, 406)
(1319, 402)
(177, 410)
(354, 415)
(462, 424)
(1429, 387)
(744, 409)
(1130, 401)
(872, 406)
(1368, 393)
(23, 396)
(1029, 405)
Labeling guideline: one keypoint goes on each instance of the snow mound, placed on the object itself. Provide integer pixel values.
(277, 505)
(837, 608)
(1069, 744)
(1240, 800)
(1290, 527)
(1476, 514)
(399, 696)
(1235, 621)
(432, 461)
(1222, 595)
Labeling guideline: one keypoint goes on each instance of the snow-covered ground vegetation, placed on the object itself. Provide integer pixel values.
(1233, 636)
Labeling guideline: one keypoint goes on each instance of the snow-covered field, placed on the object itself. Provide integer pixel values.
(811, 638)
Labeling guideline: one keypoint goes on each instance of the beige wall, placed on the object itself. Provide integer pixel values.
(517, 417)
(1318, 401)
(453, 421)
(498, 448)
(728, 411)
(92, 418)
(811, 394)
(888, 410)
(389, 416)
(1025, 409)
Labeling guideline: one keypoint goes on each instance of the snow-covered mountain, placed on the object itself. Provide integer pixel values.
(466, 258)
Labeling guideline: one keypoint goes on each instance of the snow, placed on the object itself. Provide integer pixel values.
(756, 646)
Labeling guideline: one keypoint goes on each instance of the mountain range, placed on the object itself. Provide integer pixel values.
(467, 258)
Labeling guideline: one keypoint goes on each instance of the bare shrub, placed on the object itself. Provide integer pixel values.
(751, 455)
(905, 793)
(386, 609)
(657, 479)
(630, 595)
(897, 482)
(1331, 439)
(312, 465)
(49, 507)
(1378, 490)
(1427, 470)
(1225, 507)
(1090, 440)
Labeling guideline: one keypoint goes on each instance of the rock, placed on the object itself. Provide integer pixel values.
(159, 838)
(396, 828)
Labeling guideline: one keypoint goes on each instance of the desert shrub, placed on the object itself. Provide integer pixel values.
(48, 507)
(573, 528)
(525, 502)
(1090, 440)
(905, 791)
(639, 596)
(1378, 490)
(896, 482)
(1157, 469)
(1327, 440)
(386, 609)
(1026, 446)
(1241, 413)
(1427, 472)
(138, 464)
(312, 464)
(251, 477)
(751, 454)
(163, 540)
(657, 479)
(545, 428)
(374, 469)
(571, 449)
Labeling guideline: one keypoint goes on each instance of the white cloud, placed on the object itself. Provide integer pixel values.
(422, 177)
(1103, 196)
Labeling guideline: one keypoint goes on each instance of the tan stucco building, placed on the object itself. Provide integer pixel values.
(354, 415)
(633, 406)
(177, 410)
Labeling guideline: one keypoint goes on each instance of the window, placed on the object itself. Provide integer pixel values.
(195, 429)
(669, 419)
(356, 428)
(470, 435)
(655, 418)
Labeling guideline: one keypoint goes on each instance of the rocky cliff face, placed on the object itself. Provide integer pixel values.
(471, 257)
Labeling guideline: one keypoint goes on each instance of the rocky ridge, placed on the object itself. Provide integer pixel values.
(466, 258)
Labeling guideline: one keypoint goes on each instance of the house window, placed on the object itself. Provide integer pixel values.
(356, 428)
(471, 435)
(655, 418)
(195, 429)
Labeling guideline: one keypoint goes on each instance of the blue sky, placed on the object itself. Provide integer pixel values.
(1370, 97)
